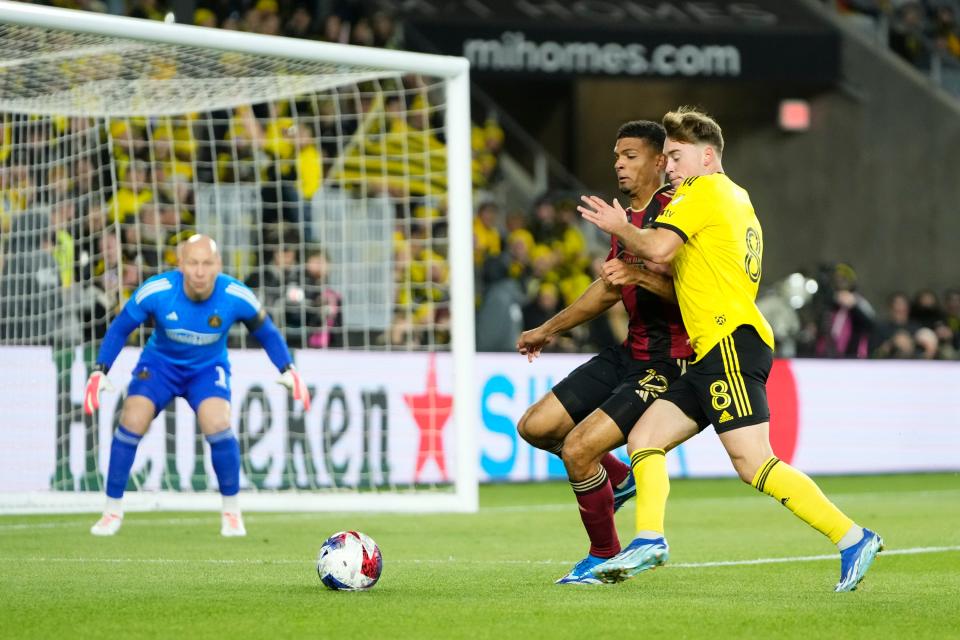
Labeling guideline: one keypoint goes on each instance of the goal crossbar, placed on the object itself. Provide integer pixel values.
(224, 40)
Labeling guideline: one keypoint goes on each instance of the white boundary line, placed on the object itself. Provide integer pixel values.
(213, 506)
(833, 556)
(72, 520)
(453, 561)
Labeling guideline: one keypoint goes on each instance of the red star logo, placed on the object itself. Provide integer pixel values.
(430, 411)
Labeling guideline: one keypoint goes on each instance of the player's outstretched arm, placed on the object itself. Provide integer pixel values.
(598, 297)
(263, 329)
(658, 245)
(116, 336)
(618, 273)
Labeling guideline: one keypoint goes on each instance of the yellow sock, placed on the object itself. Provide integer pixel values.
(797, 492)
(653, 486)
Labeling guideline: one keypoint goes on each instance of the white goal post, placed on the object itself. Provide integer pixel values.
(338, 182)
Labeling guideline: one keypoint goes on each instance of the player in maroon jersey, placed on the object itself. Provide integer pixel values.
(591, 411)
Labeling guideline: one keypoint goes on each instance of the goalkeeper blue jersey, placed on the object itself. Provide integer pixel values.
(191, 333)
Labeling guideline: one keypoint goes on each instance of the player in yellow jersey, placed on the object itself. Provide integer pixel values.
(711, 235)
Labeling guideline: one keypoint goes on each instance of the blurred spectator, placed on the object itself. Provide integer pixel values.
(929, 315)
(429, 275)
(271, 280)
(516, 221)
(945, 32)
(848, 319)
(545, 305)
(116, 277)
(335, 30)
(925, 309)
(951, 305)
(571, 247)
(897, 321)
(519, 246)
(500, 317)
(135, 190)
(946, 349)
(545, 227)
(783, 319)
(263, 17)
(205, 18)
(573, 286)
(487, 239)
(928, 344)
(486, 143)
(146, 9)
(908, 35)
(293, 176)
(300, 24)
(29, 282)
(64, 229)
(269, 21)
(899, 345)
(313, 307)
(386, 33)
(542, 263)
(362, 33)
(308, 164)
(232, 22)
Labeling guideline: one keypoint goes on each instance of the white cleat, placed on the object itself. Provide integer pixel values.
(108, 524)
(231, 525)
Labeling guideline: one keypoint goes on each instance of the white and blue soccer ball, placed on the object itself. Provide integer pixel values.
(349, 561)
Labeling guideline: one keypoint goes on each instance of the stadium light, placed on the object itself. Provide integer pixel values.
(794, 115)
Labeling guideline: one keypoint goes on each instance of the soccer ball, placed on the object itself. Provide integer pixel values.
(349, 561)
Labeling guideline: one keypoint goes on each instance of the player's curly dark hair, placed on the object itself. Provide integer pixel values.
(646, 130)
(690, 125)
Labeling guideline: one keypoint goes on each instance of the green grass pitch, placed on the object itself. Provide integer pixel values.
(490, 575)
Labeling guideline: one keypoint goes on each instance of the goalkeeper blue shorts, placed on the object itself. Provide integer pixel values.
(162, 382)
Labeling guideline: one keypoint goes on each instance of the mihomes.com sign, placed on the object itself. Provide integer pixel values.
(723, 39)
(513, 52)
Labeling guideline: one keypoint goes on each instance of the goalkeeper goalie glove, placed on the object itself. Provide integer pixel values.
(291, 380)
(97, 382)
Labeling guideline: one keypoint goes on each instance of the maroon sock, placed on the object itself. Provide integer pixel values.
(595, 497)
(616, 469)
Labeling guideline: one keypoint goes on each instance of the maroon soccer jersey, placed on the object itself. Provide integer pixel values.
(656, 329)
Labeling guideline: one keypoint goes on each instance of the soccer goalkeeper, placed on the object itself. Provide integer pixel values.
(192, 308)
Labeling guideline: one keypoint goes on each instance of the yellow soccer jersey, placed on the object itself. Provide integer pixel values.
(717, 271)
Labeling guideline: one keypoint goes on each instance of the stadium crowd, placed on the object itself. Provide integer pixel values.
(527, 273)
(837, 321)
(109, 226)
(98, 229)
(922, 32)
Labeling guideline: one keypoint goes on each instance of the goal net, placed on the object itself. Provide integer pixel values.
(337, 182)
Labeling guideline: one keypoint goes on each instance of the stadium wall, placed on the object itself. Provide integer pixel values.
(871, 183)
(829, 417)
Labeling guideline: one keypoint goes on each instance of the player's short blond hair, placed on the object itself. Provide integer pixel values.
(692, 126)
